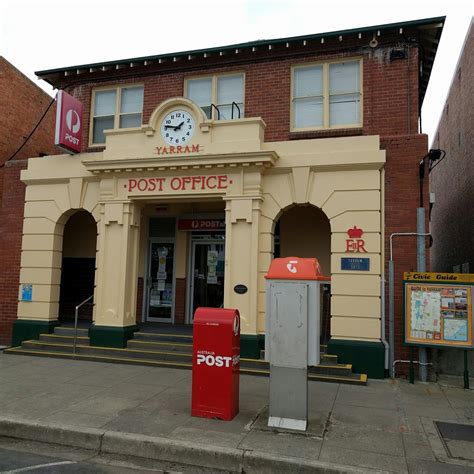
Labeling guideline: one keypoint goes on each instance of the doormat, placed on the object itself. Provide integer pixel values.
(458, 439)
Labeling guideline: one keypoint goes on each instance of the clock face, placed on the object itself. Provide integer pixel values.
(177, 127)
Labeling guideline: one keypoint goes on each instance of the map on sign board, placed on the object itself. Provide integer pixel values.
(455, 329)
(426, 312)
(438, 314)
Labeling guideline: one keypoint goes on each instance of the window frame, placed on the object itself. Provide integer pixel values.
(118, 97)
(326, 96)
(214, 78)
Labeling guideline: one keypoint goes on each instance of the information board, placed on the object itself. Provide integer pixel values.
(438, 309)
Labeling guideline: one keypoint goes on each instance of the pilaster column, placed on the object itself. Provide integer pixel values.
(117, 271)
(241, 259)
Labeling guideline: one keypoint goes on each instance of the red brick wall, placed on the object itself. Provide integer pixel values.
(22, 103)
(401, 201)
(11, 229)
(390, 89)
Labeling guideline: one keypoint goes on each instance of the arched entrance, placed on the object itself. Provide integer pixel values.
(304, 231)
(78, 266)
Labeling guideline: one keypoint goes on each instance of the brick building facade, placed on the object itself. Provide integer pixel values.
(22, 103)
(395, 64)
(452, 215)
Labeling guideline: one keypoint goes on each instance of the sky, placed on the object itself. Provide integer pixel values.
(39, 35)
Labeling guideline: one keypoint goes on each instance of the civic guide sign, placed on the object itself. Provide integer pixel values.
(438, 309)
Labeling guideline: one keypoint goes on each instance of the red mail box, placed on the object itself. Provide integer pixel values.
(216, 363)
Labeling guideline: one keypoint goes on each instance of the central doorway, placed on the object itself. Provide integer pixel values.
(206, 276)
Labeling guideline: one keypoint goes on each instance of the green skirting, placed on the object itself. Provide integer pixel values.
(111, 336)
(251, 345)
(365, 357)
(26, 329)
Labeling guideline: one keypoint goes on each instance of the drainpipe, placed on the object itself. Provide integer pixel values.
(382, 268)
(391, 290)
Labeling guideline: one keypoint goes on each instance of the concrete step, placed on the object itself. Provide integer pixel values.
(117, 359)
(328, 368)
(323, 356)
(162, 337)
(69, 331)
(159, 359)
(58, 338)
(121, 358)
(108, 351)
(159, 346)
(332, 359)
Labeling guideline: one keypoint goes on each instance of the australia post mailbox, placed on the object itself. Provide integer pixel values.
(216, 363)
(292, 336)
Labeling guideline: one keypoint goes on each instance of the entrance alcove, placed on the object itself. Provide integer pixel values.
(78, 266)
(304, 231)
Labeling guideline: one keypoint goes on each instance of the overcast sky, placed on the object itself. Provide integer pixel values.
(38, 35)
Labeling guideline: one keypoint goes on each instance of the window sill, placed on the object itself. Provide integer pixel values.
(339, 132)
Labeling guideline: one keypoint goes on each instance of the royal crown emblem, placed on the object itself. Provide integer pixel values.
(355, 233)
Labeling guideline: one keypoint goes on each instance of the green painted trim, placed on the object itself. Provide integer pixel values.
(26, 329)
(365, 357)
(251, 345)
(111, 336)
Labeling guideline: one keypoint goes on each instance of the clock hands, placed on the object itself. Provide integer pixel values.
(175, 127)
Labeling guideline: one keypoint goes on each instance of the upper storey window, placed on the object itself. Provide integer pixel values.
(118, 107)
(226, 92)
(327, 96)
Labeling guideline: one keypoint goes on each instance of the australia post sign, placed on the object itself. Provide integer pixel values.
(68, 123)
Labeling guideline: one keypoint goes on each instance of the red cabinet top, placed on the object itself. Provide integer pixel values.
(295, 268)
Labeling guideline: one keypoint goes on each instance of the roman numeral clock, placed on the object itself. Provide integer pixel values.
(177, 127)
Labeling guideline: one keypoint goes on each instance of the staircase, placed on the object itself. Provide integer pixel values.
(165, 349)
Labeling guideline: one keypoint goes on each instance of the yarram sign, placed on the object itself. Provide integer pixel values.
(68, 133)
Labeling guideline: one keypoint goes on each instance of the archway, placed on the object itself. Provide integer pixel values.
(304, 231)
(78, 266)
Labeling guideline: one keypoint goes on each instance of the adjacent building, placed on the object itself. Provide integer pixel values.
(22, 104)
(452, 215)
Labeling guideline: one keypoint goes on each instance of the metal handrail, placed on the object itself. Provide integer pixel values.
(232, 110)
(76, 315)
(217, 110)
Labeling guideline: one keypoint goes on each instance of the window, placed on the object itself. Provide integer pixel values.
(326, 95)
(120, 107)
(221, 91)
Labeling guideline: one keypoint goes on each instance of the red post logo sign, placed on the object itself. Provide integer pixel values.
(354, 243)
(68, 123)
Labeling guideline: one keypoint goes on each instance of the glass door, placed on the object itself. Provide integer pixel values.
(160, 281)
(207, 275)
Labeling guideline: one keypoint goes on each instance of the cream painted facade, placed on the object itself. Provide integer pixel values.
(230, 166)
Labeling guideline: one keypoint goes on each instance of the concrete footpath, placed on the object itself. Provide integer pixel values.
(145, 412)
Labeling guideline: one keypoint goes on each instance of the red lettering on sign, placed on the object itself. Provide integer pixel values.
(222, 182)
(195, 179)
(195, 148)
(132, 183)
(208, 182)
(160, 183)
(355, 245)
(194, 183)
(175, 184)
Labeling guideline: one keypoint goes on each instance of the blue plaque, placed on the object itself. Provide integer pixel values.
(355, 264)
(27, 292)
